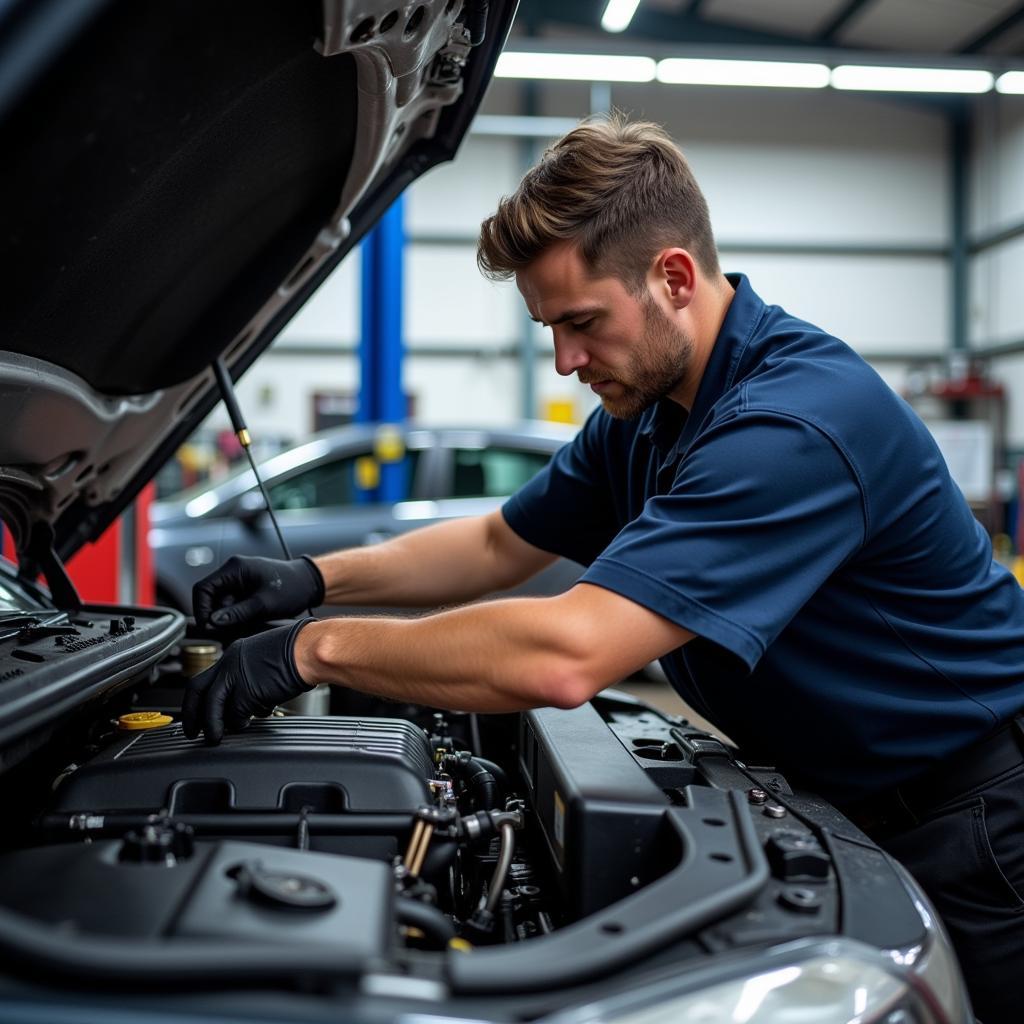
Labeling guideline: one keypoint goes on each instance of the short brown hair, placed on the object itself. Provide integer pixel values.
(620, 189)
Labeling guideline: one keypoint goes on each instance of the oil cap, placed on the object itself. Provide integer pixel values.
(284, 889)
(143, 720)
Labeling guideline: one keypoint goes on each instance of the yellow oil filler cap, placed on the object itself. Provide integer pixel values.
(143, 720)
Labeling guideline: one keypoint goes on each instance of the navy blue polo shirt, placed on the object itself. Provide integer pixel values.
(850, 622)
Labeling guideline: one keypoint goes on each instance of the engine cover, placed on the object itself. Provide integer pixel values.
(225, 890)
(330, 765)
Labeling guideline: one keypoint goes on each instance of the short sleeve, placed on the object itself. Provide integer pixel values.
(567, 507)
(762, 511)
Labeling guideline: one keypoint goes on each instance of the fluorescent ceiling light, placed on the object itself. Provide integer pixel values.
(692, 71)
(586, 67)
(1012, 81)
(618, 14)
(883, 79)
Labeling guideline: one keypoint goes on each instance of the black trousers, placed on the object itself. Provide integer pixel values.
(968, 856)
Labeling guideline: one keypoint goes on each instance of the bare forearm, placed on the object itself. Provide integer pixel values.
(500, 656)
(445, 563)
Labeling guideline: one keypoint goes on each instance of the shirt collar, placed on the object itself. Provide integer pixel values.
(667, 424)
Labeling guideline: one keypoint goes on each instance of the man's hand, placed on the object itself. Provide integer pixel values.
(253, 677)
(248, 589)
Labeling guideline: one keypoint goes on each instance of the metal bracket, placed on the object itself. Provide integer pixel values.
(701, 745)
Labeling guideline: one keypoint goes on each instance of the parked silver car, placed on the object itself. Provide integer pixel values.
(314, 489)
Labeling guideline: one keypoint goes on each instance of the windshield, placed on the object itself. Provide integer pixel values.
(210, 485)
(14, 599)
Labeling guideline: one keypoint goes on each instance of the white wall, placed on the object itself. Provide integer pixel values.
(797, 165)
(878, 304)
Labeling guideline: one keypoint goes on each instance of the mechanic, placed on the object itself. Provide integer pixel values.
(754, 506)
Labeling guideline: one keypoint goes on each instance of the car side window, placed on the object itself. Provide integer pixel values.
(493, 472)
(329, 485)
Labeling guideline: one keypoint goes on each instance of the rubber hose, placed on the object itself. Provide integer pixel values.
(440, 856)
(478, 778)
(427, 918)
(482, 784)
(495, 769)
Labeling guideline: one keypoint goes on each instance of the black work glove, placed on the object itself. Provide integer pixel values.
(253, 677)
(249, 589)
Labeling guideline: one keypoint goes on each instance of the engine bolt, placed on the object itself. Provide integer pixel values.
(757, 796)
(775, 811)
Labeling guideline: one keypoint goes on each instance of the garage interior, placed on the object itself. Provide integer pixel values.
(823, 196)
(892, 218)
(863, 161)
(892, 215)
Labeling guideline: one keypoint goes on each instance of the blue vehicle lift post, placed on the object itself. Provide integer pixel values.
(381, 349)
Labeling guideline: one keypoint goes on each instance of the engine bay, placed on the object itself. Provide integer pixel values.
(513, 855)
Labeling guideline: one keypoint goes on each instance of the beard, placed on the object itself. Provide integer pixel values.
(658, 366)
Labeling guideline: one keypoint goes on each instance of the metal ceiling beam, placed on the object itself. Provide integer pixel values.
(998, 348)
(841, 20)
(991, 239)
(990, 35)
(855, 250)
(491, 350)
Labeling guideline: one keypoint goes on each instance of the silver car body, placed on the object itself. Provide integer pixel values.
(452, 472)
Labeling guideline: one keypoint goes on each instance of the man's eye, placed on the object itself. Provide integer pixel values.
(583, 326)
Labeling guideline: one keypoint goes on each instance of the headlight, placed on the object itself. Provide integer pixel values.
(829, 981)
(825, 989)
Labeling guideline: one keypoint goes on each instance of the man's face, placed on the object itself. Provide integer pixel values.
(625, 347)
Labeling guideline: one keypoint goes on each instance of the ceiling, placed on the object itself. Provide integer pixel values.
(985, 27)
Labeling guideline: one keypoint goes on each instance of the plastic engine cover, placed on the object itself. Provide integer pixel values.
(329, 765)
(227, 890)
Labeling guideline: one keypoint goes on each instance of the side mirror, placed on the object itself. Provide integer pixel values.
(250, 509)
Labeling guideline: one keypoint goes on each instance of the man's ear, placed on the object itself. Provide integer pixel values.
(675, 272)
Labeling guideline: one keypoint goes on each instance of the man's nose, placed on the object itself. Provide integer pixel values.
(570, 356)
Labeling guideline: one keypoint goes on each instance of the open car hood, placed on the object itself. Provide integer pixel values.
(177, 179)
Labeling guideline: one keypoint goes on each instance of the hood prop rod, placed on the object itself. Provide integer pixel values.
(227, 393)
